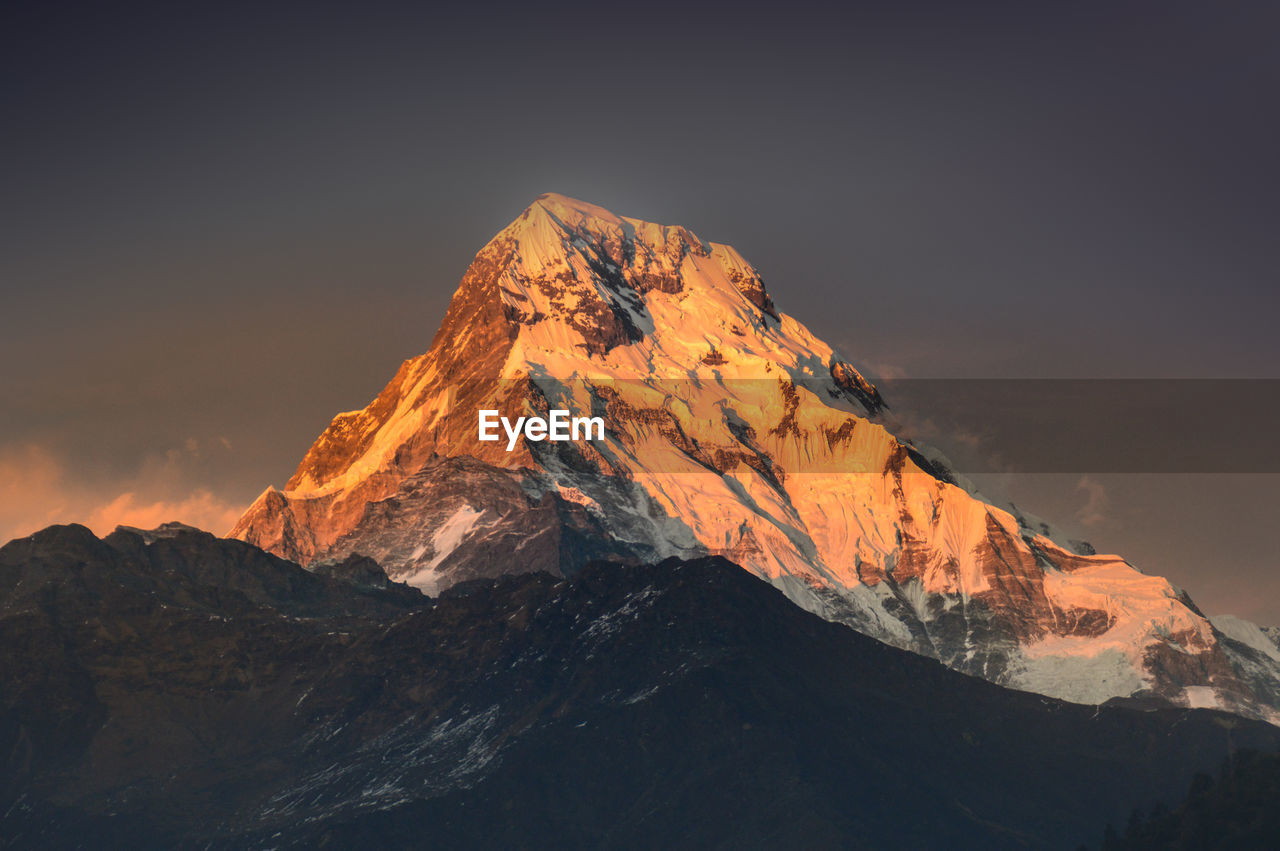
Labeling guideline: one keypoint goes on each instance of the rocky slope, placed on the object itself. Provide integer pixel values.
(731, 430)
(197, 692)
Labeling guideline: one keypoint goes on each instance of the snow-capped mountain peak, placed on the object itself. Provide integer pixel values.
(731, 430)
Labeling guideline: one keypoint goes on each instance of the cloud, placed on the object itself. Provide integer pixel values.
(37, 490)
(201, 509)
(1095, 511)
(883, 370)
(32, 493)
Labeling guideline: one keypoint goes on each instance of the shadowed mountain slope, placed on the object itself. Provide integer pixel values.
(194, 691)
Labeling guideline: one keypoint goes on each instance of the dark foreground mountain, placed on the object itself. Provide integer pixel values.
(1236, 809)
(183, 690)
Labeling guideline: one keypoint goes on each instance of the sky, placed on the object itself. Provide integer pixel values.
(223, 223)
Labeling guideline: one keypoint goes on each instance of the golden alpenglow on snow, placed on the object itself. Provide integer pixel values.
(716, 424)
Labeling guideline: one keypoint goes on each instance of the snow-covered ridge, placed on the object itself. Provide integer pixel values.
(1247, 633)
(732, 430)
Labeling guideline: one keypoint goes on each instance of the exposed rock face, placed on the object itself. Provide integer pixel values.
(851, 381)
(731, 430)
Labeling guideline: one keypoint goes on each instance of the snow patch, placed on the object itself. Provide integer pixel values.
(1083, 677)
(1201, 697)
(447, 537)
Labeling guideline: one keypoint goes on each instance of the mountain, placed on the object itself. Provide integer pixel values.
(730, 430)
(1235, 810)
(180, 690)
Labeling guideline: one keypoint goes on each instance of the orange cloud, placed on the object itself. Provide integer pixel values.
(32, 494)
(36, 491)
(201, 509)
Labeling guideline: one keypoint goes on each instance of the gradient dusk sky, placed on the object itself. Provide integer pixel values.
(223, 223)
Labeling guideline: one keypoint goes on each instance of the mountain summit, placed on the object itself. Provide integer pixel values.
(731, 430)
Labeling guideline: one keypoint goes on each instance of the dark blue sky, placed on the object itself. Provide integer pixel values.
(223, 223)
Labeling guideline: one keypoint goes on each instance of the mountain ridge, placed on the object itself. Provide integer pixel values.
(155, 699)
